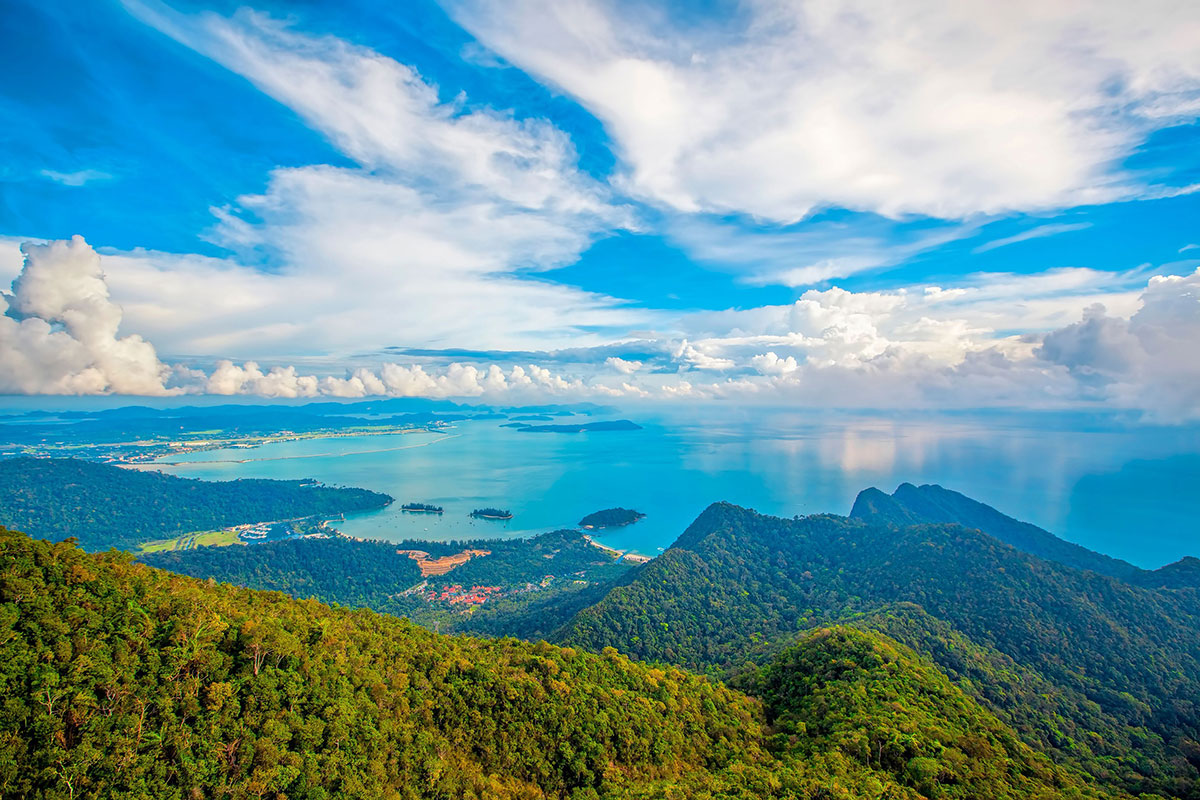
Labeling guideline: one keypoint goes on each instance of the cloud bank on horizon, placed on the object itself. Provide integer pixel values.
(60, 336)
(825, 204)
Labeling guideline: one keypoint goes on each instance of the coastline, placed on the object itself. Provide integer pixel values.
(156, 463)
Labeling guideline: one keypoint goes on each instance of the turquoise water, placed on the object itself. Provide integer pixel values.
(1126, 491)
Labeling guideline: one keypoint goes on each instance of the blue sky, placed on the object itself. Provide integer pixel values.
(757, 197)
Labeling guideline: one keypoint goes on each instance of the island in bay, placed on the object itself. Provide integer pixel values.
(491, 513)
(587, 427)
(421, 508)
(610, 518)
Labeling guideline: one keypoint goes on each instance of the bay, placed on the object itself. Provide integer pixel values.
(1125, 490)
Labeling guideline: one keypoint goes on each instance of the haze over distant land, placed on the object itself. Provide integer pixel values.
(914, 207)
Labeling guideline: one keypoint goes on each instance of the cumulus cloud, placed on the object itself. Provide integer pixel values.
(772, 364)
(59, 333)
(912, 349)
(903, 108)
(623, 366)
(1147, 361)
(921, 346)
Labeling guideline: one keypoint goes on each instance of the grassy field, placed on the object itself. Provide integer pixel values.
(190, 540)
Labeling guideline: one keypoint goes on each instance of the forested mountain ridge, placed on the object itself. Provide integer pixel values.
(930, 503)
(104, 506)
(122, 681)
(1124, 660)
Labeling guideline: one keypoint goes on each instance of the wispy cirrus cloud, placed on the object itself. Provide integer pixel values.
(812, 252)
(431, 238)
(1040, 232)
(77, 178)
(914, 108)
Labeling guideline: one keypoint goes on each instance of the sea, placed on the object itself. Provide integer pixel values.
(1120, 487)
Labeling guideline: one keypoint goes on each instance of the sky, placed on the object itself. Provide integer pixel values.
(810, 203)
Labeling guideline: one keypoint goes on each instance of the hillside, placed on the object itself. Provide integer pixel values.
(123, 681)
(541, 580)
(1121, 663)
(104, 506)
(842, 690)
(930, 503)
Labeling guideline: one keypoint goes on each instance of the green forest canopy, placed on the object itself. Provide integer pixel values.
(122, 681)
(1119, 663)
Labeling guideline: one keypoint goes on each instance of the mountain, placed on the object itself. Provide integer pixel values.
(123, 681)
(104, 506)
(1120, 663)
(930, 503)
(914, 505)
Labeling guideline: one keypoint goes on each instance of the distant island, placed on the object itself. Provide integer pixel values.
(491, 513)
(588, 427)
(422, 508)
(610, 518)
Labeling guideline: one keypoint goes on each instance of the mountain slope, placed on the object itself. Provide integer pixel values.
(843, 690)
(380, 576)
(1126, 659)
(930, 503)
(122, 681)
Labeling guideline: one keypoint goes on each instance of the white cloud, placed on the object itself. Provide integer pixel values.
(385, 116)
(1039, 232)
(59, 332)
(911, 108)
(924, 349)
(831, 348)
(1148, 361)
(428, 241)
(78, 178)
(815, 252)
(623, 366)
(771, 364)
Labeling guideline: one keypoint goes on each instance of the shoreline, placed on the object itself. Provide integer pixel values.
(144, 464)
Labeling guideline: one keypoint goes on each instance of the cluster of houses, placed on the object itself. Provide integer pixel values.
(477, 595)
